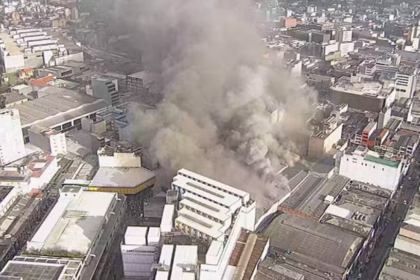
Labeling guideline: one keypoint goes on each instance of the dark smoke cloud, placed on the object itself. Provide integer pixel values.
(216, 116)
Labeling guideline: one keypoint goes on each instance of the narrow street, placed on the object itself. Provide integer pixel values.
(398, 210)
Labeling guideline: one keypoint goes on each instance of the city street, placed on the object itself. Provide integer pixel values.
(398, 210)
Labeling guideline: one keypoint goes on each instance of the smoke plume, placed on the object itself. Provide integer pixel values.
(218, 116)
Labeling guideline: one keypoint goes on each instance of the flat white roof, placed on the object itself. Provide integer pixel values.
(127, 177)
(215, 248)
(22, 86)
(165, 258)
(215, 183)
(52, 219)
(73, 224)
(184, 256)
(202, 207)
(212, 194)
(154, 232)
(168, 214)
(199, 223)
(138, 75)
(136, 231)
(413, 222)
(339, 211)
(208, 203)
(162, 275)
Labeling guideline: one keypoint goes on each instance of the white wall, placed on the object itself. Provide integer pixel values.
(22, 187)
(333, 138)
(403, 244)
(46, 176)
(58, 144)
(215, 272)
(356, 168)
(12, 146)
(345, 48)
(8, 201)
(120, 160)
(331, 48)
(137, 260)
(405, 85)
(13, 63)
(71, 57)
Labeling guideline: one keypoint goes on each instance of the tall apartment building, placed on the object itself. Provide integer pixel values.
(122, 80)
(106, 89)
(344, 35)
(405, 84)
(12, 146)
(135, 82)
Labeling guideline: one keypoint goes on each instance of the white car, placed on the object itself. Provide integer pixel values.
(405, 202)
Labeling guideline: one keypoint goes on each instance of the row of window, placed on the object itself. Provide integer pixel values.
(207, 184)
(365, 164)
(201, 213)
(182, 191)
(192, 232)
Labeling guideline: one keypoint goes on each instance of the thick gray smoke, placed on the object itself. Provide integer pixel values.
(219, 97)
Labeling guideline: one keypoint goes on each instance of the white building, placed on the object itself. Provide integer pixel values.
(321, 142)
(33, 47)
(49, 140)
(106, 89)
(34, 171)
(366, 166)
(346, 47)
(110, 157)
(9, 196)
(178, 262)
(211, 212)
(12, 146)
(207, 207)
(83, 224)
(140, 250)
(405, 84)
(167, 223)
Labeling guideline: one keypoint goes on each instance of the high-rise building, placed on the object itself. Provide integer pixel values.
(405, 84)
(12, 146)
(106, 89)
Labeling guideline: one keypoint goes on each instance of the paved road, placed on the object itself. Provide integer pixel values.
(397, 213)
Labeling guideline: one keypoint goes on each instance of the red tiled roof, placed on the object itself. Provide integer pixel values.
(37, 172)
(33, 193)
(44, 82)
(28, 70)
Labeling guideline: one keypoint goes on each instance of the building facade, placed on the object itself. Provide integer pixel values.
(208, 207)
(365, 166)
(106, 89)
(405, 84)
(12, 146)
